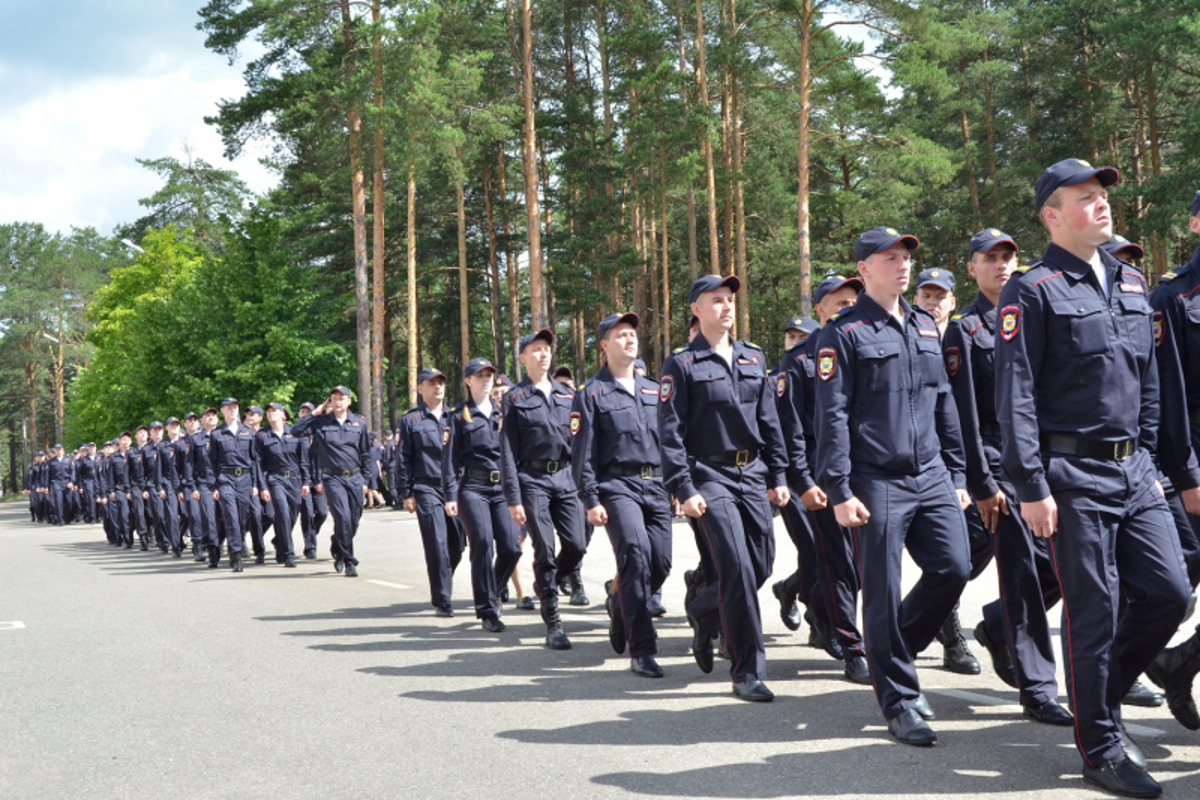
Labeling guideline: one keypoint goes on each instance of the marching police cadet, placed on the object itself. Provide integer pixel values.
(839, 573)
(62, 479)
(121, 489)
(1177, 351)
(187, 484)
(102, 492)
(618, 468)
(375, 485)
(85, 480)
(471, 473)
(725, 460)
(152, 485)
(282, 477)
(1016, 629)
(1118, 246)
(168, 486)
(202, 478)
(29, 489)
(898, 481)
(424, 432)
(535, 450)
(234, 466)
(804, 584)
(135, 466)
(1076, 446)
(314, 509)
(935, 294)
(343, 463)
(260, 515)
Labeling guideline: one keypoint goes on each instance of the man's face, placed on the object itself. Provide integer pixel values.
(888, 271)
(716, 309)
(173, 430)
(156, 434)
(230, 412)
(253, 420)
(58, 452)
(1084, 217)
(537, 354)
(621, 344)
(793, 337)
(276, 417)
(193, 425)
(141, 436)
(340, 402)
(936, 300)
(305, 411)
(835, 301)
(209, 421)
(991, 270)
(433, 391)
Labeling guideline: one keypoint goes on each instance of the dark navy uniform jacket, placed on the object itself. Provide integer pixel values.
(232, 449)
(168, 468)
(419, 457)
(118, 472)
(1176, 329)
(181, 450)
(969, 348)
(535, 428)
(337, 447)
(883, 398)
(1073, 363)
(198, 471)
(278, 454)
(61, 470)
(85, 469)
(794, 399)
(473, 445)
(134, 468)
(613, 429)
(151, 476)
(711, 408)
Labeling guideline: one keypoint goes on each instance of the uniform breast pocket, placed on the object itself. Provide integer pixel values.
(932, 365)
(711, 385)
(750, 380)
(879, 366)
(1084, 322)
(618, 418)
(428, 437)
(1135, 315)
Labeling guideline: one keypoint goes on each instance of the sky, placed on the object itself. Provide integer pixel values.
(87, 87)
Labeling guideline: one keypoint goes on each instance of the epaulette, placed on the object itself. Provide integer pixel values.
(579, 388)
(679, 349)
(752, 344)
(1168, 275)
(956, 317)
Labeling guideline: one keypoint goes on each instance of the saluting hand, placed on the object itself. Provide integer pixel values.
(597, 515)
(852, 513)
(1041, 516)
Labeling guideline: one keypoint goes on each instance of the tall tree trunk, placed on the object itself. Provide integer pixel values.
(714, 252)
(802, 158)
(989, 129)
(965, 130)
(739, 204)
(464, 303)
(31, 390)
(529, 155)
(664, 322)
(362, 297)
(685, 96)
(378, 307)
(510, 263)
(726, 150)
(1158, 252)
(493, 270)
(414, 350)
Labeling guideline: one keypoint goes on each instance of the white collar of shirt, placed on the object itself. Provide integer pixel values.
(1101, 272)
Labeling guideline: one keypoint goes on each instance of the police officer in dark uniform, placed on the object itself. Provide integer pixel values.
(618, 468)
(724, 460)
(234, 466)
(62, 478)
(169, 481)
(343, 463)
(261, 514)
(202, 478)
(282, 477)
(898, 480)
(314, 509)
(471, 473)
(189, 503)
(1077, 399)
(424, 432)
(838, 571)
(535, 450)
(1015, 629)
(151, 478)
(85, 478)
(120, 488)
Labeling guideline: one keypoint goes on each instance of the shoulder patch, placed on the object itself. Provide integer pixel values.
(953, 361)
(1159, 327)
(1010, 322)
(445, 436)
(826, 362)
(576, 421)
(666, 388)
(781, 384)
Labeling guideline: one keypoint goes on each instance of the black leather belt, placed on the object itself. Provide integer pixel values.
(288, 474)
(236, 472)
(989, 429)
(339, 473)
(643, 471)
(736, 458)
(1088, 448)
(549, 467)
(487, 476)
(430, 481)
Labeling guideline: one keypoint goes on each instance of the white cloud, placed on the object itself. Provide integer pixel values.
(69, 153)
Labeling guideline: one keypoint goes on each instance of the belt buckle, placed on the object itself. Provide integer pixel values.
(1122, 450)
(237, 472)
(552, 467)
(645, 472)
(494, 476)
(741, 458)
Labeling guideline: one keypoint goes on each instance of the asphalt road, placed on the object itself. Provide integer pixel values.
(136, 675)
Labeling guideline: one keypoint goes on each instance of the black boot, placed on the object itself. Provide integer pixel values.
(956, 656)
(578, 595)
(236, 562)
(1173, 672)
(214, 556)
(555, 638)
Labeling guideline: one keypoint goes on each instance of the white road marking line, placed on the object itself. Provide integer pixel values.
(982, 699)
(11, 626)
(389, 585)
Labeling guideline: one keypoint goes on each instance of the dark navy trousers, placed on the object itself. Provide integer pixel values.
(170, 520)
(552, 505)
(441, 540)
(235, 508)
(314, 510)
(1116, 540)
(737, 530)
(344, 494)
(285, 502)
(495, 542)
(639, 527)
(919, 513)
(839, 578)
(805, 582)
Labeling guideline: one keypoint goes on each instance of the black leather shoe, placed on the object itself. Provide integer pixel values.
(1174, 671)
(616, 625)
(311, 555)
(444, 611)
(1143, 696)
(857, 671)
(1050, 713)
(237, 563)
(1133, 752)
(789, 609)
(655, 606)
(526, 604)
(261, 558)
(338, 564)
(922, 707)
(493, 625)
(200, 556)
(1120, 776)
(1001, 661)
(645, 666)
(754, 691)
(214, 556)
(702, 646)
(908, 728)
(351, 570)
(578, 595)
(289, 561)
(504, 595)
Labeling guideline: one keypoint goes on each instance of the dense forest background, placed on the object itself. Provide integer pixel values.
(454, 172)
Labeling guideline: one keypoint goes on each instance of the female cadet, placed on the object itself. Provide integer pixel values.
(618, 470)
(471, 472)
(282, 477)
(535, 460)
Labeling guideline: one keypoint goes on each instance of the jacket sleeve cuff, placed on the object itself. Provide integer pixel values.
(1032, 492)
(987, 490)
(839, 493)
